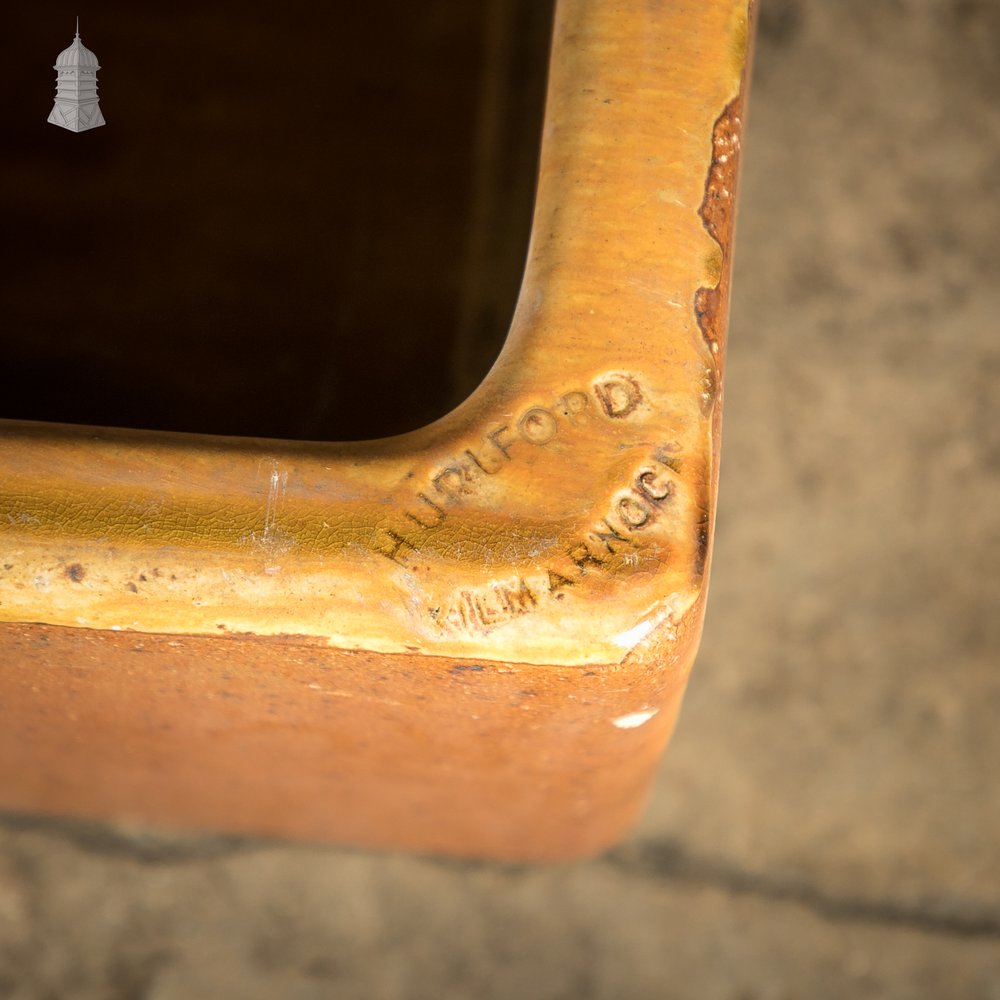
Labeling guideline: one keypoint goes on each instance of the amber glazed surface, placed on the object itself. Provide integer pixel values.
(469, 639)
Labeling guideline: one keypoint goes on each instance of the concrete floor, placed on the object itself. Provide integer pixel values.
(827, 820)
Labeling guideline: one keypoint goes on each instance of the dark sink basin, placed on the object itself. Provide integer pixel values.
(304, 222)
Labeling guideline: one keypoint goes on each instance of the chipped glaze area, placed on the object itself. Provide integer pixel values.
(718, 213)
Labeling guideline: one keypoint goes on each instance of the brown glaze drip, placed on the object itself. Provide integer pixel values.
(717, 211)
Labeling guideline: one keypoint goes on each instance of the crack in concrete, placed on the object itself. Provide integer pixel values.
(664, 860)
(668, 861)
(142, 846)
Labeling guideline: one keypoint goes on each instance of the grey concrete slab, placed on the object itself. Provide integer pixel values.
(180, 919)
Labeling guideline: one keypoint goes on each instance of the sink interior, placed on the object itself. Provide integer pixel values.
(305, 221)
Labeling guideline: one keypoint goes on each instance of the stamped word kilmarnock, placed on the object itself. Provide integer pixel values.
(611, 543)
(611, 397)
(478, 610)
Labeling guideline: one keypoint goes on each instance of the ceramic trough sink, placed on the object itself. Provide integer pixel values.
(468, 639)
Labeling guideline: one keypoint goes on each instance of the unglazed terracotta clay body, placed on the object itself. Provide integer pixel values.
(468, 639)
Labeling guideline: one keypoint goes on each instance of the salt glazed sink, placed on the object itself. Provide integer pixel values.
(471, 639)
